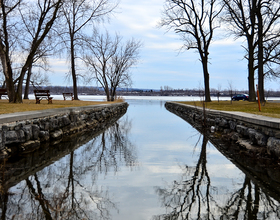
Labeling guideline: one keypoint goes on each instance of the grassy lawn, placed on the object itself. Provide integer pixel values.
(271, 109)
(29, 105)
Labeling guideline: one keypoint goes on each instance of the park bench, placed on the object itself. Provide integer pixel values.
(4, 93)
(42, 94)
(68, 95)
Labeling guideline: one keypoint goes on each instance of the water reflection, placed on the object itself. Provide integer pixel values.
(149, 165)
(194, 196)
(67, 188)
(190, 197)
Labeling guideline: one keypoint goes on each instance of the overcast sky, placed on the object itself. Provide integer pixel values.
(161, 64)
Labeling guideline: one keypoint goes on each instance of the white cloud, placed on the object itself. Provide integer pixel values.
(160, 61)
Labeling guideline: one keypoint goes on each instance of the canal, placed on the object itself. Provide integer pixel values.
(150, 165)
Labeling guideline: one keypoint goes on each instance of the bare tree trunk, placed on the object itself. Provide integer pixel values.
(107, 92)
(113, 94)
(18, 93)
(206, 79)
(251, 51)
(27, 84)
(260, 53)
(73, 69)
(251, 75)
(9, 80)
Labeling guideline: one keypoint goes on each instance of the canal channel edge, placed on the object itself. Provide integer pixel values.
(25, 131)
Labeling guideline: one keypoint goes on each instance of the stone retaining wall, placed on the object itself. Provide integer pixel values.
(246, 130)
(24, 135)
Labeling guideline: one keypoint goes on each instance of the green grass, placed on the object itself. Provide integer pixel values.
(29, 105)
(270, 109)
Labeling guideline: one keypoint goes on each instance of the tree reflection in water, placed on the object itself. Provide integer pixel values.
(249, 202)
(67, 189)
(193, 197)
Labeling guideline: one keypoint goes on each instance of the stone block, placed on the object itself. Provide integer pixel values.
(53, 124)
(232, 125)
(11, 136)
(252, 135)
(66, 121)
(15, 136)
(21, 136)
(223, 123)
(35, 131)
(56, 135)
(27, 129)
(234, 136)
(257, 137)
(243, 130)
(83, 117)
(261, 139)
(44, 135)
(73, 116)
(46, 126)
(273, 146)
(210, 121)
(217, 121)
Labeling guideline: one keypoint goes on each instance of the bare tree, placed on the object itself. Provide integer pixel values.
(268, 15)
(78, 15)
(40, 62)
(240, 15)
(257, 21)
(110, 61)
(11, 30)
(194, 20)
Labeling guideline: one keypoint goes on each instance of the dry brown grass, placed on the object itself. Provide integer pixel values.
(29, 105)
(271, 109)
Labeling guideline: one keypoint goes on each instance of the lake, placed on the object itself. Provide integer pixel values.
(150, 165)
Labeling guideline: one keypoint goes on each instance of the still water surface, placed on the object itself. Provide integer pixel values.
(150, 165)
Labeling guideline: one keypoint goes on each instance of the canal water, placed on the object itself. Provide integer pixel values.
(150, 165)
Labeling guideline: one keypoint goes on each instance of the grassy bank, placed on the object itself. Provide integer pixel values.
(271, 109)
(29, 105)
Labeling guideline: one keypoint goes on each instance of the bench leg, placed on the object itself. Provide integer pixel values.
(49, 100)
(37, 101)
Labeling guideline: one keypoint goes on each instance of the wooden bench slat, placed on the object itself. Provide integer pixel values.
(68, 95)
(42, 94)
(4, 93)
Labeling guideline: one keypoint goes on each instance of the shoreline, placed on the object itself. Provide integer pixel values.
(26, 131)
(249, 130)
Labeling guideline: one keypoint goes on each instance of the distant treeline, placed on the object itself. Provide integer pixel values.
(91, 90)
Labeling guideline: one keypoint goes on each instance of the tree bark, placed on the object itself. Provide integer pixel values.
(206, 79)
(7, 69)
(260, 53)
(73, 69)
(251, 73)
(251, 51)
(27, 84)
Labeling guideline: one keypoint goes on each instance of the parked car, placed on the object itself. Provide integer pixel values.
(240, 97)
